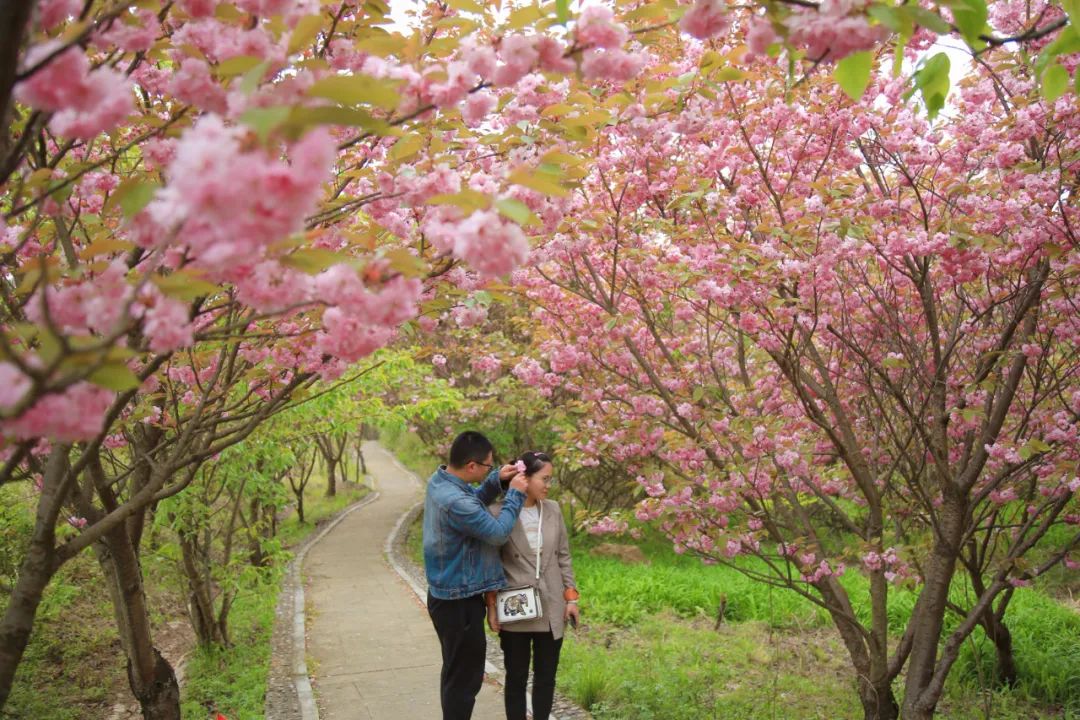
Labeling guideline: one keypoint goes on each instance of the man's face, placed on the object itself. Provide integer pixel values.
(476, 472)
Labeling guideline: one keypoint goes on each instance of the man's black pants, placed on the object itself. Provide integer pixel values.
(460, 627)
(516, 648)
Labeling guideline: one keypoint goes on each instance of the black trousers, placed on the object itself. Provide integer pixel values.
(460, 627)
(544, 649)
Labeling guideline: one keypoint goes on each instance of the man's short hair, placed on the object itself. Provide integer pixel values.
(469, 446)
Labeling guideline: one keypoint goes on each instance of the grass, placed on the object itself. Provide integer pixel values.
(651, 650)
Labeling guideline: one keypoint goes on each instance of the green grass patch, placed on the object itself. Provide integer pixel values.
(410, 451)
(666, 667)
(232, 680)
(651, 650)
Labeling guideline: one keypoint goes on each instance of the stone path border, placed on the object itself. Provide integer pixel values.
(289, 695)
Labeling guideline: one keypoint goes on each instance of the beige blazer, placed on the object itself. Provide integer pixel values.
(556, 570)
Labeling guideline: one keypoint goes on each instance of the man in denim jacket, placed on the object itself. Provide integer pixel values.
(461, 559)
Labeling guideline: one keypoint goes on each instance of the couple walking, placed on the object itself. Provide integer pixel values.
(472, 550)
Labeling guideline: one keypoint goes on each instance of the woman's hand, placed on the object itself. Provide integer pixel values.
(572, 611)
(493, 620)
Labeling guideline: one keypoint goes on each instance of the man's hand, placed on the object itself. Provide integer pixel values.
(519, 482)
(507, 471)
(493, 619)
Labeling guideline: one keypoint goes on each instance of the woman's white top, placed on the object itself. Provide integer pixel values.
(530, 522)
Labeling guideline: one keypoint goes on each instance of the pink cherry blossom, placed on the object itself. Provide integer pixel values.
(53, 12)
(611, 64)
(706, 19)
(477, 106)
(13, 385)
(167, 326)
(77, 413)
(223, 221)
(85, 102)
(596, 27)
(490, 244)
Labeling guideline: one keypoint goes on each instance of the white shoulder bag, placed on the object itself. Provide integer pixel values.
(523, 603)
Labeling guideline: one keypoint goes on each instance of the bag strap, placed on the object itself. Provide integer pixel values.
(539, 535)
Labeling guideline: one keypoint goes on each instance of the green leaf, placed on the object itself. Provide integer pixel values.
(517, 211)
(114, 376)
(304, 32)
(253, 77)
(970, 17)
(133, 195)
(466, 6)
(893, 18)
(540, 182)
(314, 260)
(928, 19)
(1033, 446)
(1072, 8)
(406, 147)
(300, 118)
(524, 15)
(265, 120)
(236, 65)
(468, 200)
(357, 90)
(729, 74)
(562, 11)
(932, 79)
(852, 73)
(404, 262)
(1055, 79)
(183, 285)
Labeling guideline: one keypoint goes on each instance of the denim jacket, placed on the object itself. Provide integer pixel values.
(461, 538)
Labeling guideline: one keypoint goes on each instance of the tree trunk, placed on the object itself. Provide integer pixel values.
(35, 572)
(878, 701)
(870, 664)
(256, 556)
(1005, 672)
(300, 505)
(200, 599)
(929, 612)
(152, 680)
(331, 477)
(37, 569)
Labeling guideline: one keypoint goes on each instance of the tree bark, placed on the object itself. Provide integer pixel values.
(14, 17)
(37, 569)
(1005, 672)
(200, 599)
(153, 682)
(929, 613)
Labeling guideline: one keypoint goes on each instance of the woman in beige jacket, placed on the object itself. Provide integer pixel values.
(540, 525)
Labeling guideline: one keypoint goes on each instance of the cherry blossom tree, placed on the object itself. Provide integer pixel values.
(208, 207)
(822, 314)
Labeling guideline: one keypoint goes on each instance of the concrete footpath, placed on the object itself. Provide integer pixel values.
(372, 652)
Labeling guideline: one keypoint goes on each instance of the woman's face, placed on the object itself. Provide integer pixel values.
(537, 488)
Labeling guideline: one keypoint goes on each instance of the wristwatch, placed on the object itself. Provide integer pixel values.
(571, 595)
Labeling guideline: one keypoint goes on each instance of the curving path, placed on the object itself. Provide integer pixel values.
(372, 652)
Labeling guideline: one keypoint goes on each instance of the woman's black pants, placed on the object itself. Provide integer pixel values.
(544, 648)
